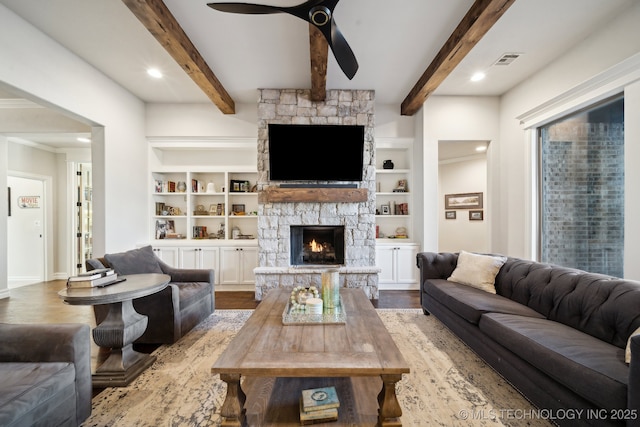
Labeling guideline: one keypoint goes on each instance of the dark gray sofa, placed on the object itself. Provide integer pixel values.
(46, 374)
(558, 335)
(172, 312)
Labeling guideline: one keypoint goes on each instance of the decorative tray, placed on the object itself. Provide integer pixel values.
(298, 316)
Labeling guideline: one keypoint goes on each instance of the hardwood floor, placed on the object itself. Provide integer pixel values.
(39, 303)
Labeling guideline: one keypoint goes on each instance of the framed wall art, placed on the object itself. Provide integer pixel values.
(450, 214)
(476, 215)
(463, 201)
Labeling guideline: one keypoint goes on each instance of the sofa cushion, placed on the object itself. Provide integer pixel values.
(587, 365)
(471, 303)
(34, 393)
(478, 271)
(135, 261)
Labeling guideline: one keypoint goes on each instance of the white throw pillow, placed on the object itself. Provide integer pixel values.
(477, 270)
(627, 352)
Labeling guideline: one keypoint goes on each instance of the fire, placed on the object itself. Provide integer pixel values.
(315, 247)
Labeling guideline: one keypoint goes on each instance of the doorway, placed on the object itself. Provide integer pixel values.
(462, 169)
(26, 231)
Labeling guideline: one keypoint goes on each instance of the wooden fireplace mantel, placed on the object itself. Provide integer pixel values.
(286, 195)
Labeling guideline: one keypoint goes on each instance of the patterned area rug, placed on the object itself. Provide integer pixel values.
(448, 384)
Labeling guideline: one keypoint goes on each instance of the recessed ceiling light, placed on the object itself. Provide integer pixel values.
(83, 139)
(154, 72)
(476, 77)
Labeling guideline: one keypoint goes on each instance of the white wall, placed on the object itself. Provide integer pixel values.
(465, 176)
(34, 64)
(548, 94)
(632, 181)
(4, 206)
(200, 120)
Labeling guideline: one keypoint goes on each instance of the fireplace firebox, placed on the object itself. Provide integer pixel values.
(317, 245)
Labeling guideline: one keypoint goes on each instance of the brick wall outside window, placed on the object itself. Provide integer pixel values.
(582, 190)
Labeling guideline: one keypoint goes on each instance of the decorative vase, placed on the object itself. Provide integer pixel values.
(182, 186)
(330, 288)
(388, 164)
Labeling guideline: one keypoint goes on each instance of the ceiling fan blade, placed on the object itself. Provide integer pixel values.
(246, 8)
(342, 51)
(316, 12)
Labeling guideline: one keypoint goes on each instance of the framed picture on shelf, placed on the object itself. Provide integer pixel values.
(476, 215)
(237, 209)
(239, 186)
(385, 210)
(450, 214)
(164, 227)
(401, 187)
(463, 201)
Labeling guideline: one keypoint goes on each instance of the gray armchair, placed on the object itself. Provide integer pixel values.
(46, 374)
(172, 312)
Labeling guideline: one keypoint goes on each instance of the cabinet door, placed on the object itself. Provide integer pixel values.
(248, 262)
(229, 262)
(237, 264)
(209, 258)
(406, 269)
(168, 255)
(385, 261)
(190, 257)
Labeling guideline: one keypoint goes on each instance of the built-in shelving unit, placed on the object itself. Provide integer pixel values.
(394, 201)
(395, 251)
(204, 191)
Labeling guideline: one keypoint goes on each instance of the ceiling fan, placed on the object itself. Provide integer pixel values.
(316, 12)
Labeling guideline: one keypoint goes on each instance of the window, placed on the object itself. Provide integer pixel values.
(582, 189)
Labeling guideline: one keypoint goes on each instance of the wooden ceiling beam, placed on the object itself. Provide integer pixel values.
(475, 24)
(157, 18)
(319, 54)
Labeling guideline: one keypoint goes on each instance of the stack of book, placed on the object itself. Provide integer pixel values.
(319, 405)
(93, 278)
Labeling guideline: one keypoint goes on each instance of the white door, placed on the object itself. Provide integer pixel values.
(26, 240)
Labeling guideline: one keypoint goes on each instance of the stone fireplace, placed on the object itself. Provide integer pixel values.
(343, 216)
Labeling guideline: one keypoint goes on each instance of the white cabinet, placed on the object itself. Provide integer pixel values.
(397, 263)
(394, 186)
(237, 264)
(233, 265)
(199, 257)
(168, 254)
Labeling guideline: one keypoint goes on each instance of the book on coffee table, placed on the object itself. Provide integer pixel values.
(317, 416)
(316, 399)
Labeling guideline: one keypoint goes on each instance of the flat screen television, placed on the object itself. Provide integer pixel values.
(316, 152)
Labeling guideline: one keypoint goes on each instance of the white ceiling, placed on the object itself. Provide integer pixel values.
(394, 43)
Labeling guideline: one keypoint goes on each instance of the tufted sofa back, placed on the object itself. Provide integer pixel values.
(605, 307)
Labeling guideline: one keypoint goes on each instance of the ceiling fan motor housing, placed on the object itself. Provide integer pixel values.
(320, 15)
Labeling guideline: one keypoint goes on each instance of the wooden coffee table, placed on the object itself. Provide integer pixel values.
(276, 362)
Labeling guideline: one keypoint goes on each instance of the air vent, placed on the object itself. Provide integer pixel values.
(507, 58)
